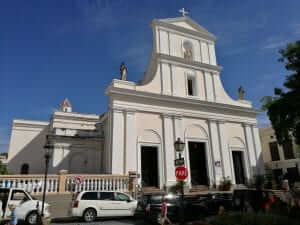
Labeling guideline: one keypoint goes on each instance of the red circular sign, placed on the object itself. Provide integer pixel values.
(181, 173)
(78, 180)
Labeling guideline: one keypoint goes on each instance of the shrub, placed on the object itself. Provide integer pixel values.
(225, 184)
(176, 188)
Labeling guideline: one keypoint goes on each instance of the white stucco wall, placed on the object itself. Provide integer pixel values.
(26, 146)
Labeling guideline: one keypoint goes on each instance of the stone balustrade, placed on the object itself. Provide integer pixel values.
(31, 183)
(63, 183)
(98, 183)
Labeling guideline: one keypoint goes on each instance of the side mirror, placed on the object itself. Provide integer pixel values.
(128, 200)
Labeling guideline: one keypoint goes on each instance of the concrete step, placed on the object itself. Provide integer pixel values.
(199, 188)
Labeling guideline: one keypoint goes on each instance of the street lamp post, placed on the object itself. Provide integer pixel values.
(179, 148)
(48, 147)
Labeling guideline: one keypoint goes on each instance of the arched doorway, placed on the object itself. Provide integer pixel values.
(24, 168)
(150, 159)
(197, 155)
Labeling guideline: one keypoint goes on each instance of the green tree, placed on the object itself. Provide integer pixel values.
(3, 169)
(283, 109)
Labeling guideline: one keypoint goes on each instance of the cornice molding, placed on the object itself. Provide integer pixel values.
(17, 124)
(180, 100)
(189, 64)
(217, 121)
(74, 118)
(249, 125)
(166, 116)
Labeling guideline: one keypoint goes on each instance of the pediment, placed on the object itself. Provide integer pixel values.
(187, 23)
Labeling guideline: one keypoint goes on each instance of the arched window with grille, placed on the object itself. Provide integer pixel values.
(25, 168)
(187, 50)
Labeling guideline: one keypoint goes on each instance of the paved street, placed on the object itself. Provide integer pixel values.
(120, 221)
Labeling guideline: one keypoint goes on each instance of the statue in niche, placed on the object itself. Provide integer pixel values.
(188, 50)
(123, 71)
(188, 54)
(241, 92)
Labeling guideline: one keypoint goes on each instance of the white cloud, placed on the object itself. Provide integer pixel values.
(275, 44)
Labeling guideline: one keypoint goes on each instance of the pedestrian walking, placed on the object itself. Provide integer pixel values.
(164, 213)
(13, 217)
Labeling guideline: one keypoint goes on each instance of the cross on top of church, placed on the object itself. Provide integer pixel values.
(183, 12)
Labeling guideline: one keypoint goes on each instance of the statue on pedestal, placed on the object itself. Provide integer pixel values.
(241, 92)
(123, 71)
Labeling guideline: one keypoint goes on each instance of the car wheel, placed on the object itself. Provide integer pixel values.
(89, 215)
(32, 218)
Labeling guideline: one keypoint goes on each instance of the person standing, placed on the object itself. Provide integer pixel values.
(164, 212)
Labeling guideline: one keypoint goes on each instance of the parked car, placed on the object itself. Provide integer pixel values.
(195, 206)
(211, 204)
(92, 204)
(253, 196)
(27, 207)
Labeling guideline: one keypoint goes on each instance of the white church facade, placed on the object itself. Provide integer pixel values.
(181, 96)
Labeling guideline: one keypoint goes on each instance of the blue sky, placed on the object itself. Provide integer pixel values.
(53, 49)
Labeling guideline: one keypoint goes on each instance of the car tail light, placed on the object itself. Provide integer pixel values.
(75, 204)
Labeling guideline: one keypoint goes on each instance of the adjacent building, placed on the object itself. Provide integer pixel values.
(280, 159)
(180, 96)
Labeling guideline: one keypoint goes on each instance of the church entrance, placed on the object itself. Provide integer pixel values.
(237, 158)
(149, 160)
(198, 167)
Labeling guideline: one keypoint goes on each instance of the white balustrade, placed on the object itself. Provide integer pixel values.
(31, 183)
(98, 183)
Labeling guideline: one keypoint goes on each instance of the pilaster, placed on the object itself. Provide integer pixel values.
(166, 79)
(130, 142)
(209, 87)
(225, 152)
(250, 149)
(216, 154)
(117, 144)
(169, 152)
(258, 150)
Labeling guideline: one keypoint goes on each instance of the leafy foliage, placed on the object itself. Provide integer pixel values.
(284, 108)
(253, 219)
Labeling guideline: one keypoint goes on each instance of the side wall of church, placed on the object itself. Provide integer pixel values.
(27, 146)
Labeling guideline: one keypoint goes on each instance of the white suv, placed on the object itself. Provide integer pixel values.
(92, 204)
(26, 206)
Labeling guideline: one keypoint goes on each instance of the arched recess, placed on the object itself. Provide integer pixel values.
(150, 160)
(195, 131)
(25, 168)
(149, 136)
(238, 161)
(198, 155)
(237, 142)
(78, 163)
